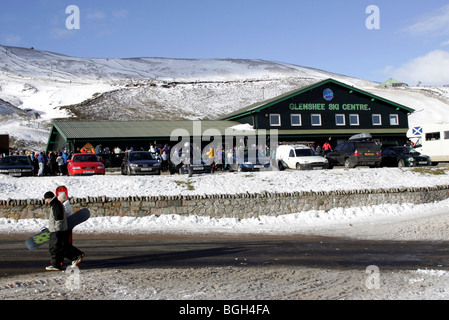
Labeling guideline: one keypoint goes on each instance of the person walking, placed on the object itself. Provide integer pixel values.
(57, 225)
(327, 147)
(60, 162)
(164, 157)
(211, 160)
(72, 253)
(42, 161)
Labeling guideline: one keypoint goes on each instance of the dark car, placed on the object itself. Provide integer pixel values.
(399, 156)
(16, 166)
(249, 160)
(356, 152)
(140, 162)
(199, 166)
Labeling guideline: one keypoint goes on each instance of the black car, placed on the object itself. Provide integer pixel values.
(199, 166)
(356, 152)
(16, 166)
(249, 160)
(140, 162)
(404, 157)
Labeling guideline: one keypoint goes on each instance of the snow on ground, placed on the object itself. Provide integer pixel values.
(405, 222)
(114, 185)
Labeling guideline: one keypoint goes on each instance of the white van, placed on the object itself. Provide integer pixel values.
(299, 157)
(431, 140)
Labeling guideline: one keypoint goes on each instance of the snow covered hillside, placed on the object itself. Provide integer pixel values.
(59, 86)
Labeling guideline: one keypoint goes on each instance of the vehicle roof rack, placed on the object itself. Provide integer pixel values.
(361, 137)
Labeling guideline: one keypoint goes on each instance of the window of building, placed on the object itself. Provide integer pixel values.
(432, 136)
(394, 120)
(275, 120)
(377, 120)
(296, 120)
(340, 120)
(446, 135)
(316, 119)
(354, 120)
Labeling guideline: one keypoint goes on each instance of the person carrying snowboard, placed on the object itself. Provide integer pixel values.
(72, 252)
(57, 225)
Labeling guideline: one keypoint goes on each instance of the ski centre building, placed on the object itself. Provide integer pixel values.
(312, 114)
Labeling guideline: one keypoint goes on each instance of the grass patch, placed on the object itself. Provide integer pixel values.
(187, 184)
(432, 171)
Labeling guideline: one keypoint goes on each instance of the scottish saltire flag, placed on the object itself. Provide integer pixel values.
(417, 131)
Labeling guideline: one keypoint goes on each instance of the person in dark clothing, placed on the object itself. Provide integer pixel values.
(72, 252)
(57, 224)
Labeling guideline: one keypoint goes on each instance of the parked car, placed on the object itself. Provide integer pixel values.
(199, 166)
(249, 160)
(16, 166)
(85, 164)
(359, 150)
(140, 162)
(403, 157)
(299, 157)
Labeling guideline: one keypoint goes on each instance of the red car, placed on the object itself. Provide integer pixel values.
(85, 164)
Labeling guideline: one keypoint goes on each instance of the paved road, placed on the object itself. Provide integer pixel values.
(175, 251)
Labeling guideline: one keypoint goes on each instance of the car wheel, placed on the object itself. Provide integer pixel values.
(280, 166)
(349, 164)
(401, 163)
(298, 166)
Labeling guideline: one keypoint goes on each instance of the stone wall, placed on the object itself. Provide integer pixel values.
(236, 205)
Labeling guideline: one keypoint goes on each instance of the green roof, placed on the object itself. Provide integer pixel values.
(133, 129)
(392, 82)
(138, 130)
(256, 107)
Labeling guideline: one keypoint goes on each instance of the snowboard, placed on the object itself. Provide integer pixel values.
(42, 237)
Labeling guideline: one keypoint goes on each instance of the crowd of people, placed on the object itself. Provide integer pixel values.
(51, 163)
(55, 162)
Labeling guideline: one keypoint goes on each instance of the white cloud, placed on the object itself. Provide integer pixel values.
(431, 69)
(61, 33)
(96, 15)
(12, 39)
(435, 23)
(120, 14)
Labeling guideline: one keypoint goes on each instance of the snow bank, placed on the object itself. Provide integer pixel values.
(309, 222)
(315, 221)
(115, 185)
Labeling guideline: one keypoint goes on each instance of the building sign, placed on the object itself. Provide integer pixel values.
(329, 107)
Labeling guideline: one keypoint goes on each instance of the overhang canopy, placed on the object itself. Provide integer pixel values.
(64, 132)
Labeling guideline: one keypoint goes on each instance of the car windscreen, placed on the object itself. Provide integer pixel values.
(85, 158)
(15, 161)
(304, 152)
(141, 156)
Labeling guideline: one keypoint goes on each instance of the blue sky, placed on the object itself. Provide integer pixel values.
(412, 43)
